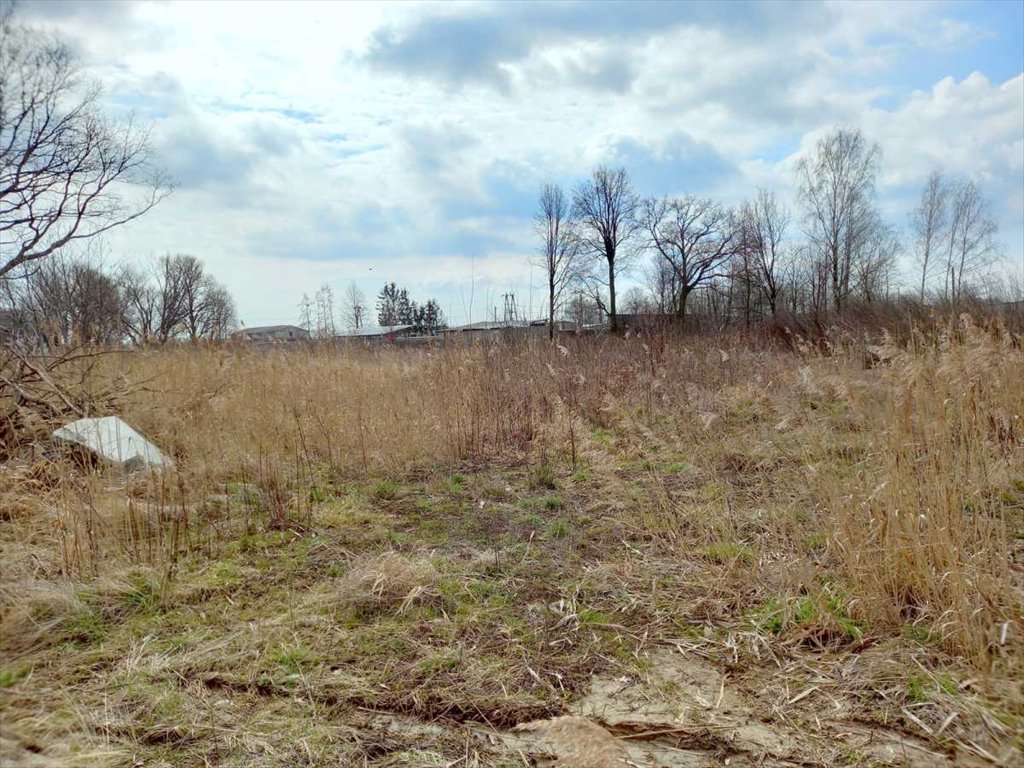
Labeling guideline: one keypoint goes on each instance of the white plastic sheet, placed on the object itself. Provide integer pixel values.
(112, 439)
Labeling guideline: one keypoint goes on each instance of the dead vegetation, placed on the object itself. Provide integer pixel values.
(388, 583)
(703, 548)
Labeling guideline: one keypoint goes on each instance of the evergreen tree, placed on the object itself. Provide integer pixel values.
(406, 308)
(387, 305)
(431, 318)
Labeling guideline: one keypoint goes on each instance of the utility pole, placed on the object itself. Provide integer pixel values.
(510, 308)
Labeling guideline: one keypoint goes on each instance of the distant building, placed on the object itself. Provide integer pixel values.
(500, 329)
(273, 333)
(485, 329)
(484, 325)
(377, 333)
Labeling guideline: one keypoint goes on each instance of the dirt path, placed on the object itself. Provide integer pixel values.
(688, 714)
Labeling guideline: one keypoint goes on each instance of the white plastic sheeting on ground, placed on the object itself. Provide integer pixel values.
(113, 440)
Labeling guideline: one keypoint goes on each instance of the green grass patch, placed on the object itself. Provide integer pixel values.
(583, 475)
(385, 490)
(678, 468)
(591, 618)
(10, 675)
(543, 476)
(85, 626)
(487, 591)
(713, 491)
(295, 659)
(918, 634)
(821, 612)
(319, 495)
(547, 503)
(815, 542)
(533, 521)
(455, 484)
(770, 616)
(441, 663)
(723, 552)
(143, 592)
(916, 692)
(495, 492)
(558, 529)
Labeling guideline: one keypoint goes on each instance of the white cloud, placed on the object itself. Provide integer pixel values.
(973, 127)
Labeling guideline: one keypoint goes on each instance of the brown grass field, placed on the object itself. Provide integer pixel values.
(647, 551)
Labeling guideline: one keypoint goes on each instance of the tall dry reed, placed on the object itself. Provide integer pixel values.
(915, 462)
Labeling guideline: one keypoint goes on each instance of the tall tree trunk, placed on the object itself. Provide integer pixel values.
(613, 316)
(684, 294)
(837, 300)
(924, 272)
(551, 308)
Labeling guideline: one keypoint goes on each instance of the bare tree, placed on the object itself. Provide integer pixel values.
(637, 301)
(560, 249)
(71, 301)
(694, 237)
(930, 222)
(606, 209)
(176, 298)
(971, 238)
(192, 281)
(354, 310)
(66, 173)
(663, 284)
(873, 271)
(325, 327)
(207, 308)
(837, 186)
(217, 318)
(582, 310)
(763, 222)
(808, 281)
(742, 286)
(140, 305)
(170, 275)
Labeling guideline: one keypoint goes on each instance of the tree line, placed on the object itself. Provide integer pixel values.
(394, 308)
(66, 301)
(759, 258)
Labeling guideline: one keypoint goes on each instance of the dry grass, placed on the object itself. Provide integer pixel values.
(356, 543)
(927, 531)
(388, 582)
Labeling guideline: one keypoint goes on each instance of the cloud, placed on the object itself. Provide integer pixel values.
(456, 50)
(678, 164)
(435, 152)
(977, 130)
(78, 13)
(199, 151)
(480, 46)
(195, 155)
(590, 65)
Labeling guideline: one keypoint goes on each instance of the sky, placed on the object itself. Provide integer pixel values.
(330, 142)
